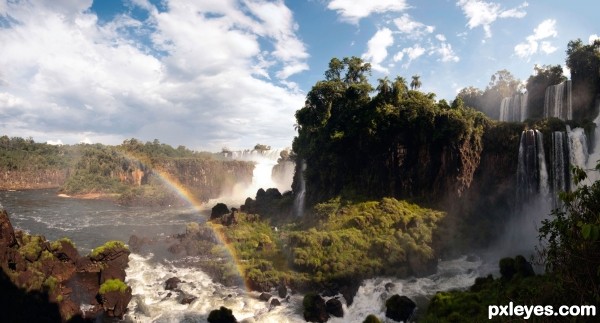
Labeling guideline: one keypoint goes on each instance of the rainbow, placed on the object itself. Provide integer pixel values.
(176, 187)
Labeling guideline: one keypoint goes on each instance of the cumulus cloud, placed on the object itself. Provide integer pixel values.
(195, 73)
(537, 42)
(354, 10)
(482, 13)
(407, 25)
(377, 49)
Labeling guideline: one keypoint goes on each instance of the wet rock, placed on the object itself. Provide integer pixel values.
(115, 303)
(218, 211)
(172, 283)
(275, 302)
(314, 308)
(7, 233)
(282, 291)
(222, 315)
(399, 308)
(187, 299)
(265, 297)
(334, 307)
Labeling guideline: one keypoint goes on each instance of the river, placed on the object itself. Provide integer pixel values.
(90, 223)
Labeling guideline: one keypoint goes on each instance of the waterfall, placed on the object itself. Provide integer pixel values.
(595, 152)
(514, 108)
(560, 166)
(557, 102)
(299, 199)
(532, 175)
(578, 152)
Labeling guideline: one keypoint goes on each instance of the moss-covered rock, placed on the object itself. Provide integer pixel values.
(222, 315)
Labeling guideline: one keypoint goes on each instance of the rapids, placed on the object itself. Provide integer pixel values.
(89, 223)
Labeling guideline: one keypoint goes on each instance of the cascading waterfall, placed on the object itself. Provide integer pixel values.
(557, 102)
(595, 151)
(532, 175)
(560, 166)
(299, 199)
(514, 108)
(578, 151)
(262, 175)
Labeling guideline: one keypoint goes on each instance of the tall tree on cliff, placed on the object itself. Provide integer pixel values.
(584, 63)
(502, 84)
(415, 84)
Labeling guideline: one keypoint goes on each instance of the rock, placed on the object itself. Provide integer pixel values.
(7, 233)
(222, 315)
(334, 307)
(507, 268)
(523, 267)
(115, 303)
(265, 297)
(282, 290)
(399, 308)
(372, 319)
(172, 283)
(66, 252)
(187, 299)
(314, 308)
(275, 302)
(218, 211)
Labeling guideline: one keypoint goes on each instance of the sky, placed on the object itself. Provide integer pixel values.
(210, 74)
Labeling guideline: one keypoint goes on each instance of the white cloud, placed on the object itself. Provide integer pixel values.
(414, 52)
(202, 66)
(481, 13)
(537, 41)
(398, 56)
(592, 38)
(440, 37)
(415, 29)
(377, 48)
(446, 53)
(354, 10)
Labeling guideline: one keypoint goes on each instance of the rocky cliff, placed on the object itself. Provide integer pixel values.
(32, 179)
(45, 281)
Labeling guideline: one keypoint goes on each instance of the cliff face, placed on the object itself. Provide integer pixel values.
(45, 281)
(32, 179)
(205, 179)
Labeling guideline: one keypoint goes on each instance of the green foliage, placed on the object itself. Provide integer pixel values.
(112, 285)
(107, 247)
(379, 140)
(544, 76)
(32, 247)
(50, 284)
(18, 154)
(364, 239)
(572, 237)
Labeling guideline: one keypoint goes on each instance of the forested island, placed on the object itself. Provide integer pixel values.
(388, 180)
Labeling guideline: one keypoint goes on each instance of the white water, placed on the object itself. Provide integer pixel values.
(557, 102)
(595, 155)
(514, 108)
(262, 176)
(150, 302)
(299, 200)
(544, 187)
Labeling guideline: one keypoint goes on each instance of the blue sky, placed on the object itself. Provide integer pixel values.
(228, 73)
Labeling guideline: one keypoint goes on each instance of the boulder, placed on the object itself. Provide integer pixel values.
(334, 307)
(222, 315)
(399, 308)
(7, 233)
(172, 283)
(115, 302)
(187, 299)
(265, 297)
(282, 290)
(218, 211)
(274, 303)
(314, 308)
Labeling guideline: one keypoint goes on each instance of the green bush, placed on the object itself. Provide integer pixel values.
(112, 285)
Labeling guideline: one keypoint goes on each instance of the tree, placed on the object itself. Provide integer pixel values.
(415, 84)
(471, 97)
(573, 240)
(584, 63)
(537, 84)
